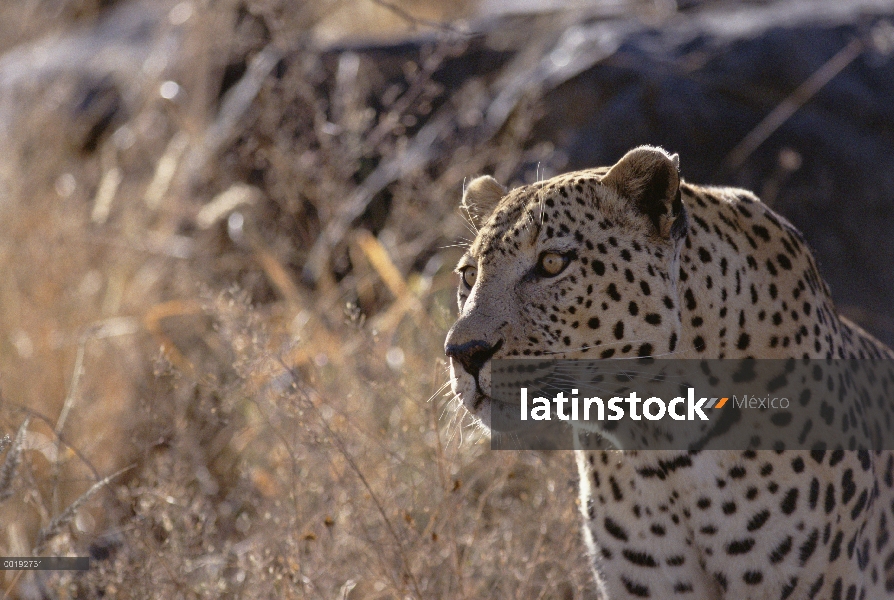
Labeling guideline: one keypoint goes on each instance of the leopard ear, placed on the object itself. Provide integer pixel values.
(649, 177)
(481, 198)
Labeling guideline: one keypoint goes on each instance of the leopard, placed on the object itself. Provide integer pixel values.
(632, 261)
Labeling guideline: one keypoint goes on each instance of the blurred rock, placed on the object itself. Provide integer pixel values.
(829, 168)
(697, 84)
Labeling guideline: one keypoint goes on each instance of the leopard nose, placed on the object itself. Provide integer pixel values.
(472, 355)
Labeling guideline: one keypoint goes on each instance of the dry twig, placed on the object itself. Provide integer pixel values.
(783, 112)
(12, 461)
(51, 530)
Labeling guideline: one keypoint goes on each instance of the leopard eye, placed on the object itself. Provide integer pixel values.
(551, 264)
(469, 275)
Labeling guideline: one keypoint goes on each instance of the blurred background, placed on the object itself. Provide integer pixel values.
(227, 234)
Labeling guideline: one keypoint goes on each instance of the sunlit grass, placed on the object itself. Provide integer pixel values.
(281, 439)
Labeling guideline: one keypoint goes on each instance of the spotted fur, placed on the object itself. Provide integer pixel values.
(632, 261)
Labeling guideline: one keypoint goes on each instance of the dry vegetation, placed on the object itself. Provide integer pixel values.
(206, 287)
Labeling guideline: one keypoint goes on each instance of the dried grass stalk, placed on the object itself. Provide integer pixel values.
(56, 525)
(12, 461)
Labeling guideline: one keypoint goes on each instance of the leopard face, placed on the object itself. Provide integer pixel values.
(570, 268)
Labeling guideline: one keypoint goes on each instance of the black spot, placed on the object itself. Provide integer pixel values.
(633, 308)
(699, 221)
(752, 577)
(836, 457)
(808, 547)
(641, 559)
(720, 578)
(737, 472)
(784, 262)
(593, 323)
(761, 232)
(645, 350)
(645, 288)
(728, 508)
(814, 493)
(616, 489)
(782, 419)
(830, 498)
(848, 487)
(798, 464)
(649, 472)
(607, 353)
(613, 292)
(835, 550)
(615, 530)
(598, 267)
(826, 410)
(781, 551)
(790, 501)
(816, 587)
(653, 319)
(699, 343)
(635, 589)
(837, 588)
(859, 506)
(865, 461)
(788, 588)
(744, 341)
(704, 255)
(740, 546)
(690, 299)
(619, 330)
(758, 520)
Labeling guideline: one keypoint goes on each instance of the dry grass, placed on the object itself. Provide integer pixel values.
(282, 439)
